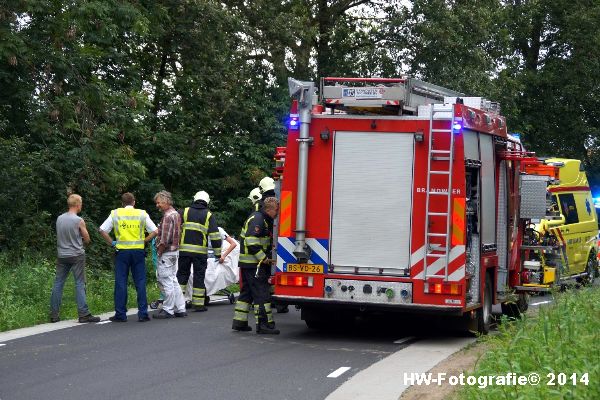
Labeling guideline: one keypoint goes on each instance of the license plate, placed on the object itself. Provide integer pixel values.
(306, 268)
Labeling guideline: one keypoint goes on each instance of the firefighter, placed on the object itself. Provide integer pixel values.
(255, 254)
(255, 197)
(267, 189)
(198, 227)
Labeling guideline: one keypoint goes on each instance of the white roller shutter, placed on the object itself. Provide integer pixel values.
(372, 200)
(488, 190)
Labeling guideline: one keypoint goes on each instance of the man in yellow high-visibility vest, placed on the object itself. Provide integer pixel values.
(128, 224)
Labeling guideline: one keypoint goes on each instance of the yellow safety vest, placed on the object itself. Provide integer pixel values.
(129, 225)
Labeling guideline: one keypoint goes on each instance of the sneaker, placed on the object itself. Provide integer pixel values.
(89, 318)
(54, 319)
(188, 305)
(162, 314)
(182, 314)
(200, 308)
(115, 319)
(144, 319)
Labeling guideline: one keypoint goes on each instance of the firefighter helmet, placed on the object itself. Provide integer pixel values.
(255, 195)
(267, 183)
(202, 195)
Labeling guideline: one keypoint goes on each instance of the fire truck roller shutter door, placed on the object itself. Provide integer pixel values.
(488, 191)
(471, 145)
(372, 201)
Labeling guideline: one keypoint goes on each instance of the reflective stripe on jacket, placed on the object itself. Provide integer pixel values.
(198, 227)
(128, 226)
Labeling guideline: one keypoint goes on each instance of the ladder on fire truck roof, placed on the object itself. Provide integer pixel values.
(441, 151)
(382, 95)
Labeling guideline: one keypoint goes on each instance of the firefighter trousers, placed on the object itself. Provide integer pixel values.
(199, 262)
(254, 290)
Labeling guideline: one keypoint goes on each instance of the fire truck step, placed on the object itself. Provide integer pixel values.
(438, 255)
(437, 214)
(440, 158)
(436, 234)
(440, 151)
(439, 172)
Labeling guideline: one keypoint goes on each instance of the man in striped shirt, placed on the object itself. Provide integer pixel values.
(168, 253)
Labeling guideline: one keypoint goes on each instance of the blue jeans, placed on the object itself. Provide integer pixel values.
(134, 260)
(63, 266)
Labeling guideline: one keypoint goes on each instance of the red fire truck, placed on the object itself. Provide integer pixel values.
(401, 195)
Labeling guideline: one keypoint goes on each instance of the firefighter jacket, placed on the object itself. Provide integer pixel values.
(128, 225)
(197, 228)
(255, 240)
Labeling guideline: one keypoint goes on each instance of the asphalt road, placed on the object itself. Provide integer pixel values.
(201, 357)
(196, 357)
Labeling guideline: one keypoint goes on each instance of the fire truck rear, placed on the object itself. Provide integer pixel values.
(400, 195)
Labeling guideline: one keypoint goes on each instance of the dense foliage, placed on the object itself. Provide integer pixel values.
(104, 96)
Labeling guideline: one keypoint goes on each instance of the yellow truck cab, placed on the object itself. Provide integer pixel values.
(572, 223)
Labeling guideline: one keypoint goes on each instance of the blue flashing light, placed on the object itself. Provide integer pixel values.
(596, 202)
(457, 127)
(294, 122)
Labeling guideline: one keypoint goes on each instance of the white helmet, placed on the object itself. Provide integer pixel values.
(255, 195)
(202, 195)
(267, 183)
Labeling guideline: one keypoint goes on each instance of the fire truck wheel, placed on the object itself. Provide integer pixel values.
(483, 316)
(316, 324)
(314, 319)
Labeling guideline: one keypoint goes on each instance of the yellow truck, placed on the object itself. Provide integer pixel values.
(562, 247)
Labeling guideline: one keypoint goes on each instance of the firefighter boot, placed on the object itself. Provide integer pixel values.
(266, 328)
(282, 308)
(264, 321)
(240, 326)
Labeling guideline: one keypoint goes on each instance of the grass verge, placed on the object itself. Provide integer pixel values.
(25, 290)
(561, 340)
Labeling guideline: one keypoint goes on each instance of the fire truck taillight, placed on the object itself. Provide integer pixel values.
(295, 280)
(445, 288)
